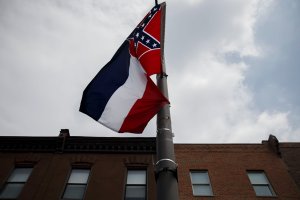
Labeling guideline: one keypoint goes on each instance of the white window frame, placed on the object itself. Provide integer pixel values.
(257, 185)
(85, 184)
(136, 184)
(10, 181)
(199, 184)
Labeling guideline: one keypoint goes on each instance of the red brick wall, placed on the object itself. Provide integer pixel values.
(227, 166)
(51, 172)
(290, 153)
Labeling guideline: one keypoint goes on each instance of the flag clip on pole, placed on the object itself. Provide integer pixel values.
(165, 167)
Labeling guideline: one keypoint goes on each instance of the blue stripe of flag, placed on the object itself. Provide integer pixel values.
(112, 76)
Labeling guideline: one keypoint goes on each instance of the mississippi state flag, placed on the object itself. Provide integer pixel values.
(122, 97)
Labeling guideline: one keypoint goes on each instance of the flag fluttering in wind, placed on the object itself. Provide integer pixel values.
(122, 97)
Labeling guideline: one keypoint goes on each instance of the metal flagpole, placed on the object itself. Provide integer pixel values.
(165, 167)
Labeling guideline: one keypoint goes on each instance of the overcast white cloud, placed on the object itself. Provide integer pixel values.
(232, 66)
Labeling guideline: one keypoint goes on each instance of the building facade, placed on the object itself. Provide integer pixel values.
(68, 167)
(240, 171)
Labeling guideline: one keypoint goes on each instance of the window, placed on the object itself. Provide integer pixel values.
(77, 183)
(260, 183)
(15, 183)
(200, 183)
(136, 185)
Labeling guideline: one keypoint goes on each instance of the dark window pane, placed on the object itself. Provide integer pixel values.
(74, 192)
(136, 177)
(20, 175)
(202, 190)
(79, 176)
(258, 178)
(11, 190)
(135, 192)
(199, 178)
(262, 190)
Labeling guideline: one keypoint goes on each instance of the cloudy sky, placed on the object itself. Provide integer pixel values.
(233, 66)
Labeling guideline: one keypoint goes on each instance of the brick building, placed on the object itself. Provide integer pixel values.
(68, 167)
(232, 166)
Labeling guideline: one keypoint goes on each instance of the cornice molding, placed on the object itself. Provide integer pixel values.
(221, 148)
(76, 144)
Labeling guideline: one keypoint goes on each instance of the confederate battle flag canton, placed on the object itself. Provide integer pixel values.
(145, 41)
